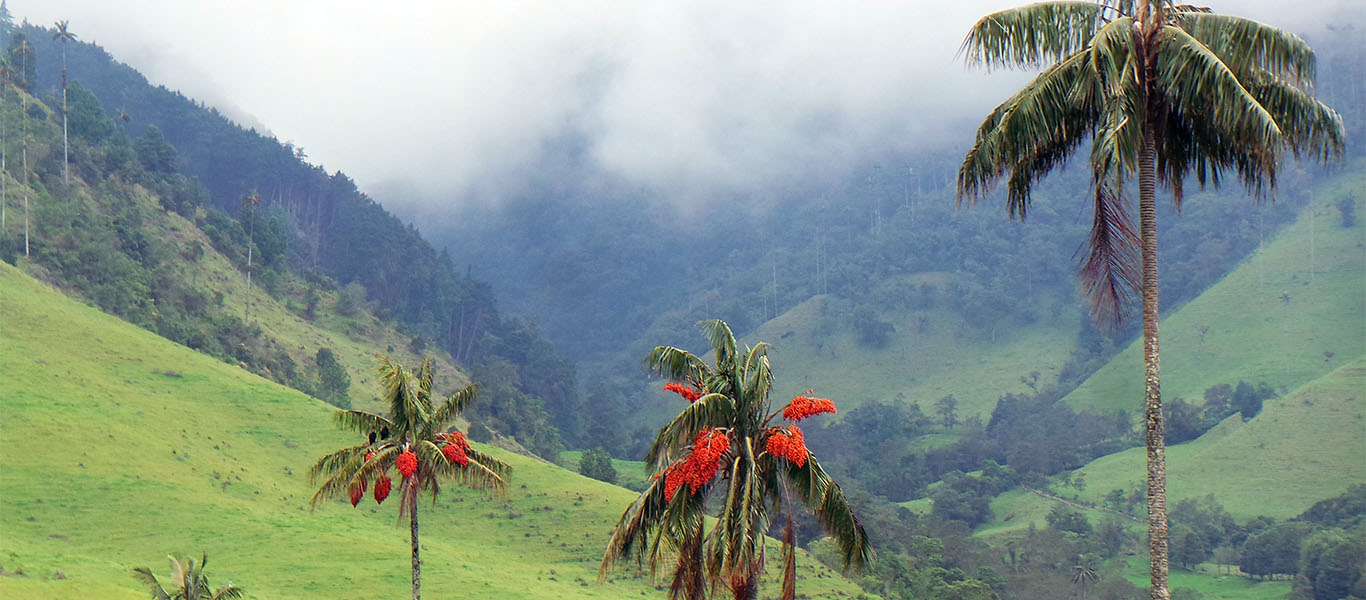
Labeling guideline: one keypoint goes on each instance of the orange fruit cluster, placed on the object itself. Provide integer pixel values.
(701, 465)
(406, 463)
(804, 406)
(789, 443)
(687, 392)
(382, 486)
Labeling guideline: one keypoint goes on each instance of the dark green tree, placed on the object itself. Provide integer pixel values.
(155, 153)
(1163, 91)
(1275, 551)
(597, 463)
(1063, 518)
(334, 383)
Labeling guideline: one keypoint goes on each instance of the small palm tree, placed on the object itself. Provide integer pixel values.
(188, 580)
(1162, 91)
(728, 440)
(63, 35)
(413, 439)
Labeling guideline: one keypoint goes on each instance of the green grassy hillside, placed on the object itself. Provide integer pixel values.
(1301, 448)
(118, 448)
(948, 357)
(1275, 318)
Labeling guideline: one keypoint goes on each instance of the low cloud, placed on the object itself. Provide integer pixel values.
(462, 102)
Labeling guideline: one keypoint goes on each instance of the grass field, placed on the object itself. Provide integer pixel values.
(1302, 448)
(119, 448)
(950, 358)
(1210, 581)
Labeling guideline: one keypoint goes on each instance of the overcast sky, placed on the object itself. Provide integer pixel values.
(457, 100)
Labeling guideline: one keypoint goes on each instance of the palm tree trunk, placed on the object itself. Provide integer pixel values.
(1157, 462)
(417, 562)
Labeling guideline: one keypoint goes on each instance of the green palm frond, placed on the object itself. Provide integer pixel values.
(454, 405)
(1309, 127)
(1030, 133)
(360, 421)
(228, 591)
(1188, 72)
(676, 364)
(1034, 34)
(1248, 46)
(145, 575)
(758, 374)
(712, 410)
(335, 461)
(722, 340)
(818, 492)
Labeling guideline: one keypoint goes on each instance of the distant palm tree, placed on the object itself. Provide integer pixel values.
(63, 35)
(249, 204)
(413, 439)
(188, 580)
(24, 50)
(728, 439)
(1162, 91)
(1084, 572)
(122, 116)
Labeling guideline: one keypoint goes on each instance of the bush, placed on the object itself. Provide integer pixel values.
(597, 463)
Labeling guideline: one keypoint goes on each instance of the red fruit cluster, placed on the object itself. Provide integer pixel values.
(406, 463)
(369, 455)
(804, 406)
(456, 454)
(357, 492)
(701, 465)
(687, 392)
(382, 486)
(787, 442)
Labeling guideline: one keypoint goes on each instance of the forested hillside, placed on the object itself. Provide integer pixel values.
(308, 232)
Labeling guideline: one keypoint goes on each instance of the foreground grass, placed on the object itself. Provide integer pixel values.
(119, 448)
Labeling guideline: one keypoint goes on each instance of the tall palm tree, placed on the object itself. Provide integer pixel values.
(189, 581)
(249, 204)
(63, 35)
(1162, 91)
(24, 50)
(729, 440)
(413, 439)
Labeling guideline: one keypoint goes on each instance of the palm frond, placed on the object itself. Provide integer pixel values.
(228, 591)
(454, 405)
(360, 421)
(677, 364)
(1309, 127)
(484, 472)
(824, 497)
(1031, 132)
(145, 575)
(1189, 73)
(347, 467)
(758, 375)
(709, 410)
(1032, 35)
(722, 340)
(1247, 46)
(690, 576)
(1109, 272)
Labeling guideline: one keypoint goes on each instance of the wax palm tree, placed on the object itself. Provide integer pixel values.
(413, 439)
(63, 35)
(188, 580)
(728, 440)
(1163, 91)
(24, 50)
(249, 204)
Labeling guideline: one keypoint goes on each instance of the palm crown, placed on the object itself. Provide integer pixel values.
(188, 582)
(1219, 94)
(729, 439)
(411, 439)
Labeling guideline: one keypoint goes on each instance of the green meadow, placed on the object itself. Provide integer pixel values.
(122, 447)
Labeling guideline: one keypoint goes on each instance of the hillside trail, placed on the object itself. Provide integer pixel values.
(1043, 494)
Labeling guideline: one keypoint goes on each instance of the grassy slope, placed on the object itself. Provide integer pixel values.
(1254, 333)
(109, 463)
(951, 358)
